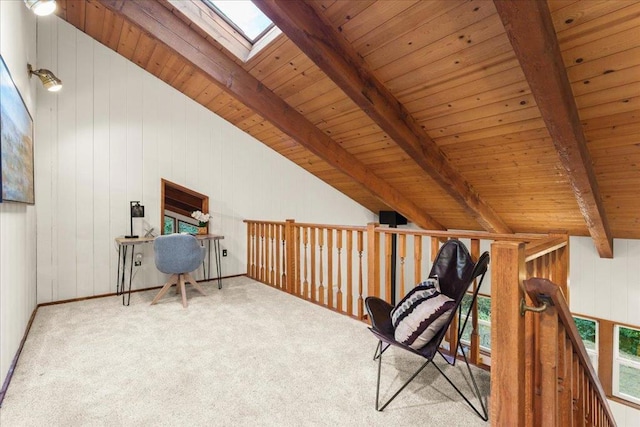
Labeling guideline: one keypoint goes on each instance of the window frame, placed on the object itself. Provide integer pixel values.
(592, 353)
(619, 360)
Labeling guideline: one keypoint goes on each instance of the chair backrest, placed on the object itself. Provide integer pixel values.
(177, 253)
(456, 271)
(454, 267)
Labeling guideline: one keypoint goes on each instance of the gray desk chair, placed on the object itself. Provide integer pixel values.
(178, 255)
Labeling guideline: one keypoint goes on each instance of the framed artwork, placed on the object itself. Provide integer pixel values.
(16, 137)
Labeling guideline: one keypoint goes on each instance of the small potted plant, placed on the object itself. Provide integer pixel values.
(203, 221)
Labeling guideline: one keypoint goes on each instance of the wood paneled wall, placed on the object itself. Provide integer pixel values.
(109, 137)
(17, 220)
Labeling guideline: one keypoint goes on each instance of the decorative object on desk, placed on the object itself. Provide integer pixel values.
(137, 211)
(203, 221)
(16, 140)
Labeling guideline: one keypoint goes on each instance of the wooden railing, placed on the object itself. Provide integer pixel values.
(568, 387)
(338, 267)
(544, 373)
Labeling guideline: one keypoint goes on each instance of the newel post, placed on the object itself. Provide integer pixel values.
(290, 250)
(373, 260)
(507, 335)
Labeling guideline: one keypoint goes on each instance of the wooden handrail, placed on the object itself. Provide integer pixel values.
(543, 291)
(542, 247)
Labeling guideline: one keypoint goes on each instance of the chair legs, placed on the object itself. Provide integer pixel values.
(476, 392)
(180, 281)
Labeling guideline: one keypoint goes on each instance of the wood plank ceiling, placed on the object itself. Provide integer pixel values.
(453, 129)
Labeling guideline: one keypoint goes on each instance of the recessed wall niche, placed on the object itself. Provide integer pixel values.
(179, 202)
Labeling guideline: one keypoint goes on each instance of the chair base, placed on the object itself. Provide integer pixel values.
(476, 392)
(180, 281)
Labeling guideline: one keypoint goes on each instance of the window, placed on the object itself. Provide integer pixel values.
(237, 25)
(484, 321)
(243, 16)
(185, 227)
(626, 363)
(588, 330)
(169, 225)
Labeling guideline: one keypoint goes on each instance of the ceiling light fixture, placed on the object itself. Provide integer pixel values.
(41, 7)
(48, 79)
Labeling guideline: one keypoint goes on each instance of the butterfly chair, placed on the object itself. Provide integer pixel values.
(455, 271)
(178, 255)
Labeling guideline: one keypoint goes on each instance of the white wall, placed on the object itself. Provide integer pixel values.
(109, 137)
(17, 221)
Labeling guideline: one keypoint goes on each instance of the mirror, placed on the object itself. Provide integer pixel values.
(176, 205)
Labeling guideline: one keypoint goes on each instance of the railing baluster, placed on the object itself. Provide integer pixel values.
(339, 292)
(314, 296)
(330, 267)
(360, 276)
(474, 340)
(321, 271)
(261, 252)
(272, 246)
(402, 253)
(387, 267)
(417, 259)
(297, 266)
(350, 272)
(277, 240)
(305, 284)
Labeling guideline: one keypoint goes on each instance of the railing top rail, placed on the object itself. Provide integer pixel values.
(482, 235)
(537, 287)
(329, 226)
(253, 221)
(539, 244)
(541, 247)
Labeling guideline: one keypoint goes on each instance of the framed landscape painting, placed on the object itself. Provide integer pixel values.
(16, 135)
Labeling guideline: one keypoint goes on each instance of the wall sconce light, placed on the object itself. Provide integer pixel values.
(137, 211)
(41, 7)
(48, 79)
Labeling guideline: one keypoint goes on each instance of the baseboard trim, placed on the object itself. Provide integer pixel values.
(14, 362)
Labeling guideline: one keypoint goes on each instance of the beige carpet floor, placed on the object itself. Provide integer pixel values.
(246, 355)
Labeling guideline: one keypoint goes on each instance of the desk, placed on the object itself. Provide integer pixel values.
(123, 247)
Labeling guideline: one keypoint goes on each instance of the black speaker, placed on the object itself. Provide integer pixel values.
(391, 218)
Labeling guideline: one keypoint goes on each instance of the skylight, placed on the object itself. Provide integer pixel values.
(244, 16)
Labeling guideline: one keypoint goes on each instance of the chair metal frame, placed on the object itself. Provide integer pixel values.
(380, 313)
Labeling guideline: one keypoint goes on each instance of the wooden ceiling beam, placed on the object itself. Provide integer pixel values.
(530, 29)
(336, 57)
(159, 23)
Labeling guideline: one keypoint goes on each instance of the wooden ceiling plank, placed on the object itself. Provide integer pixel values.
(461, 62)
(582, 12)
(613, 78)
(583, 72)
(128, 40)
(111, 30)
(532, 35)
(337, 59)
(491, 132)
(475, 72)
(76, 13)
(422, 13)
(94, 20)
(473, 93)
(161, 24)
(603, 46)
